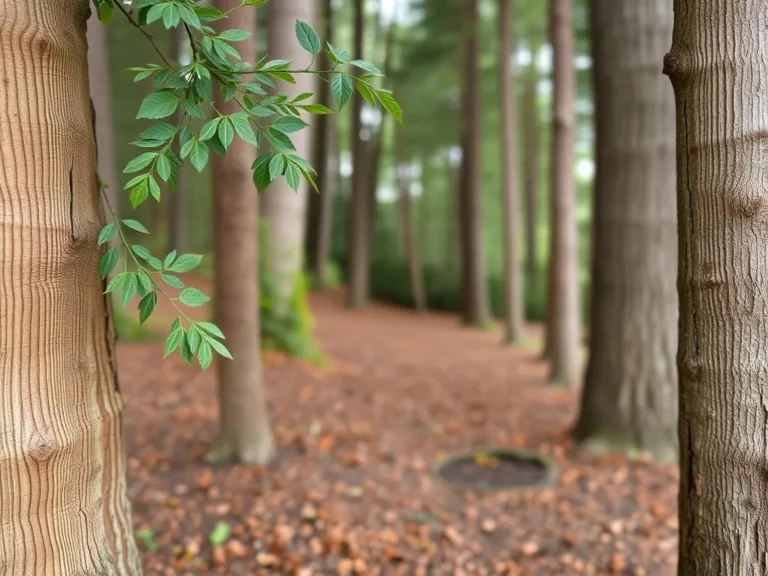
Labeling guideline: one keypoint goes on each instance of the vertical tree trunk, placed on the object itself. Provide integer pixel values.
(474, 290)
(563, 315)
(410, 245)
(320, 206)
(629, 397)
(359, 240)
(98, 74)
(244, 431)
(531, 127)
(63, 502)
(177, 199)
(283, 209)
(513, 288)
(719, 70)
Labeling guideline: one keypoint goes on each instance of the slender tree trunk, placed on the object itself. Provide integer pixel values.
(513, 287)
(284, 210)
(63, 502)
(474, 290)
(98, 73)
(531, 128)
(244, 430)
(629, 397)
(320, 206)
(563, 297)
(410, 245)
(177, 216)
(360, 248)
(719, 71)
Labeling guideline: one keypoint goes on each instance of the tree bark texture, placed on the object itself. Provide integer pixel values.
(629, 397)
(244, 430)
(532, 138)
(320, 206)
(283, 209)
(513, 285)
(98, 74)
(474, 289)
(360, 235)
(177, 199)
(718, 65)
(63, 502)
(563, 315)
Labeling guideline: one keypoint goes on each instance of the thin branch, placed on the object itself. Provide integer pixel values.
(140, 29)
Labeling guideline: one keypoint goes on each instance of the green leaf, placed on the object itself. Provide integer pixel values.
(171, 17)
(159, 105)
(174, 338)
(141, 252)
(108, 261)
(161, 131)
(173, 281)
(225, 132)
(276, 167)
(116, 282)
(135, 225)
(186, 353)
(366, 92)
(219, 347)
(337, 55)
(234, 35)
(318, 109)
(261, 171)
(254, 2)
(390, 104)
(164, 168)
(170, 257)
(205, 355)
(277, 65)
(209, 129)
(289, 124)
(105, 13)
(145, 282)
(243, 129)
(199, 155)
(367, 66)
(211, 329)
(155, 263)
(107, 233)
(279, 141)
(341, 88)
(185, 263)
(189, 16)
(208, 13)
(141, 161)
(146, 306)
(193, 297)
(303, 96)
(193, 339)
(130, 289)
(293, 176)
(307, 37)
(156, 12)
(139, 193)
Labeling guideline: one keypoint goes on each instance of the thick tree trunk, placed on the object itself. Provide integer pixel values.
(474, 290)
(360, 236)
(531, 127)
(629, 397)
(177, 199)
(63, 502)
(513, 287)
(563, 315)
(98, 73)
(719, 71)
(283, 209)
(244, 431)
(410, 245)
(320, 206)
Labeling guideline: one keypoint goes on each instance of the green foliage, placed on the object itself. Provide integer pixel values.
(263, 119)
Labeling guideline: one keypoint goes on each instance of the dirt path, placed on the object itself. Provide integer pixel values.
(352, 488)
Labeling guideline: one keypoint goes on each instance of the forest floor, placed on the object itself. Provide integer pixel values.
(352, 489)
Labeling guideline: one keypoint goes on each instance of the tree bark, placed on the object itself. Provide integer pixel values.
(244, 430)
(320, 206)
(513, 287)
(531, 128)
(98, 74)
(284, 210)
(719, 70)
(63, 502)
(474, 290)
(563, 316)
(177, 199)
(628, 402)
(360, 236)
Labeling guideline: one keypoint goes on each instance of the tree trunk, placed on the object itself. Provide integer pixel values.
(360, 236)
(98, 74)
(719, 70)
(244, 431)
(563, 306)
(410, 245)
(320, 206)
(531, 171)
(513, 288)
(628, 402)
(63, 502)
(177, 199)
(474, 290)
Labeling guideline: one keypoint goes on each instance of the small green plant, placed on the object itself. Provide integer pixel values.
(264, 120)
(147, 539)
